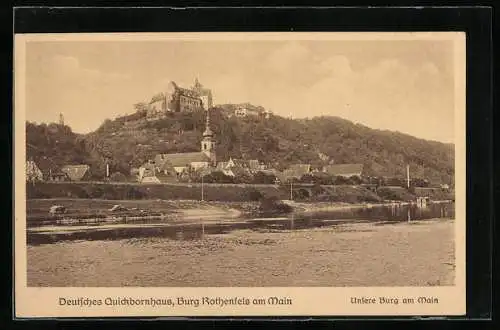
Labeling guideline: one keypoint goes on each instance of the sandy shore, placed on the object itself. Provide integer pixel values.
(415, 254)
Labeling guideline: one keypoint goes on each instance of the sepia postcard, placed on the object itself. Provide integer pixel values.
(239, 174)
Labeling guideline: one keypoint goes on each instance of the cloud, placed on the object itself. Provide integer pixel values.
(339, 66)
(86, 96)
(68, 68)
(379, 95)
(288, 57)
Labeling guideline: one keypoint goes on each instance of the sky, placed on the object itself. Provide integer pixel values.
(399, 85)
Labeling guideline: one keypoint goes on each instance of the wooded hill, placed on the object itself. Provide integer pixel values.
(129, 141)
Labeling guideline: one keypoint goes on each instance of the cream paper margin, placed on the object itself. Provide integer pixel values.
(314, 301)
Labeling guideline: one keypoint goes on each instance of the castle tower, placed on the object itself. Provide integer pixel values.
(208, 142)
(61, 119)
(197, 85)
(204, 94)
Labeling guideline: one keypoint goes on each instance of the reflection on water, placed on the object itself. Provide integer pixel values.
(379, 213)
(392, 212)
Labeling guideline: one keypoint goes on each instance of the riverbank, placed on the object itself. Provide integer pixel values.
(227, 192)
(362, 254)
(170, 210)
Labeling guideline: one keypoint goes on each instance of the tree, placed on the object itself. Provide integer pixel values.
(341, 180)
(141, 107)
(263, 178)
(307, 178)
(276, 140)
(355, 180)
(217, 177)
(272, 206)
(117, 177)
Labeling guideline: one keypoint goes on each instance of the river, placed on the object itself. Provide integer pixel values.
(188, 229)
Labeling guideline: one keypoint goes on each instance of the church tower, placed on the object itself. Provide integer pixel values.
(61, 119)
(208, 142)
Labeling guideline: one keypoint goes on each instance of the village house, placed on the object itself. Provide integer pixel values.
(243, 111)
(134, 172)
(344, 170)
(252, 164)
(296, 171)
(237, 167)
(33, 173)
(445, 186)
(251, 111)
(180, 163)
(236, 172)
(178, 99)
(147, 173)
(57, 176)
(77, 172)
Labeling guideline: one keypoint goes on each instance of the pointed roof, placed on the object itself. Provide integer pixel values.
(75, 172)
(200, 89)
(238, 162)
(185, 159)
(208, 132)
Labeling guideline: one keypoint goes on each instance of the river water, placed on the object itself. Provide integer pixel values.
(156, 227)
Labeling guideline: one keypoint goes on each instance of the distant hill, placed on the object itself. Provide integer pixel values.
(53, 145)
(129, 141)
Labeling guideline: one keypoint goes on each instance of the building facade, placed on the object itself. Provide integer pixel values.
(247, 112)
(180, 163)
(178, 99)
(33, 173)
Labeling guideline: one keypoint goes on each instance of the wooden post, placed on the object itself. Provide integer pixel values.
(408, 175)
(202, 192)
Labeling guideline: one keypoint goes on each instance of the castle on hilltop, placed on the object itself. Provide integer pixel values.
(178, 99)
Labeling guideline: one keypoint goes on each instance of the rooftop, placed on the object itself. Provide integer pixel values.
(183, 159)
(344, 169)
(75, 172)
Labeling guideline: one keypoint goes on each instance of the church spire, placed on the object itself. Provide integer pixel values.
(208, 131)
(208, 142)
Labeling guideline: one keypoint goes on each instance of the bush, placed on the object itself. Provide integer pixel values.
(340, 180)
(217, 177)
(263, 178)
(300, 194)
(272, 206)
(118, 177)
(355, 180)
(133, 193)
(254, 195)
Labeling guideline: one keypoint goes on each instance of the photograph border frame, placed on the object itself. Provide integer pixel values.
(475, 21)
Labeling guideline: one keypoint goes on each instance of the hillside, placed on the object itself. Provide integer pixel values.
(53, 145)
(129, 141)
